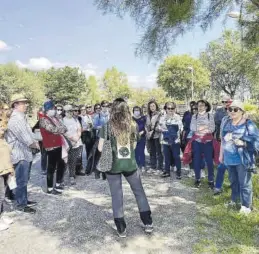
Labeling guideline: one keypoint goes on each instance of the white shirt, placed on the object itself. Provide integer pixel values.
(73, 126)
(87, 122)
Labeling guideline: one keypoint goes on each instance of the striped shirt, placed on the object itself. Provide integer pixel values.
(202, 124)
(19, 136)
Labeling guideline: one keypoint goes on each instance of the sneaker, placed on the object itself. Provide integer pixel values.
(149, 228)
(3, 226)
(217, 191)
(59, 188)
(150, 171)
(157, 172)
(165, 174)
(230, 204)
(27, 209)
(197, 183)
(191, 174)
(80, 173)
(54, 192)
(8, 200)
(203, 174)
(123, 234)
(7, 220)
(178, 177)
(31, 203)
(211, 185)
(72, 181)
(245, 210)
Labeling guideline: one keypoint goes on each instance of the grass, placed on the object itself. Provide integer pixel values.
(224, 230)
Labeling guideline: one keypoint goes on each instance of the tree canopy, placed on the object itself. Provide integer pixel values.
(175, 77)
(229, 64)
(164, 20)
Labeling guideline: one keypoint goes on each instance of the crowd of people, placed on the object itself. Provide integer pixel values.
(74, 139)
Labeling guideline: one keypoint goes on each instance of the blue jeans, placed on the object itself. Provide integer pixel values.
(206, 149)
(220, 175)
(22, 175)
(156, 157)
(169, 152)
(241, 185)
(140, 153)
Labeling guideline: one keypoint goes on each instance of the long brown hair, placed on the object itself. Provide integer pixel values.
(121, 122)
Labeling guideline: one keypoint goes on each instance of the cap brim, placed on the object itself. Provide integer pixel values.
(20, 100)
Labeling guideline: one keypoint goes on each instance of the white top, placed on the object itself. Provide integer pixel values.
(87, 122)
(73, 126)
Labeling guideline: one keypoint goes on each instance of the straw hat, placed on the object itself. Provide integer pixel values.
(18, 98)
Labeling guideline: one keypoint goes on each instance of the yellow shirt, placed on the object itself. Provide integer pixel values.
(5, 158)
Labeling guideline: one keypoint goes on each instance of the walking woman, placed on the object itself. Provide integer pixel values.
(153, 136)
(6, 168)
(171, 126)
(140, 148)
(239, 142)
(203, 126)
(123, 134)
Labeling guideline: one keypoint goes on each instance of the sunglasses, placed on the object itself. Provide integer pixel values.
(170, 108)
(76, 110)
(59, 109)
(97, 108)
(194, 108)
(89, 107)
(234, 110)
(224, 101)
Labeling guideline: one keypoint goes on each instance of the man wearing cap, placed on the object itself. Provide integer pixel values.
(52, 129)
(20, 137)
(220, 114)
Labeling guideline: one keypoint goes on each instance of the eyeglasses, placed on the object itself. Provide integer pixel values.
(233, 109)
(224, 101)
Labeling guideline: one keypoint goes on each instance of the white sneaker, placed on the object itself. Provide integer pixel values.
(7, 220)
(150, 171)
(202, 173)
(245, 210)
(157, 172)
(3, 226)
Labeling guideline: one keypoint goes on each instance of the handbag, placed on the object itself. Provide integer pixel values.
(105, 161)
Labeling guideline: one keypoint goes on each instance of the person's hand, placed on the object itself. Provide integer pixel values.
(141, 133)
(239, 142)
(221, 158)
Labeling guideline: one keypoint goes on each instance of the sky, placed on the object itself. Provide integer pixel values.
(41, 34)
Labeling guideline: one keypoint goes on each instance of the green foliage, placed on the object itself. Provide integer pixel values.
(92, 94)
(14, 80)
(142, 96)
(175, 77)
(229, 64)
(115, 84)
(224, 230)
(65, 84)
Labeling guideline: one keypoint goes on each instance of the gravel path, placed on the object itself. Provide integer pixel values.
(81, 220)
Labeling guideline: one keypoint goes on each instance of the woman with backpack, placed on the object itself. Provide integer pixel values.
(239, 142)
(121, 131)
(203, 126)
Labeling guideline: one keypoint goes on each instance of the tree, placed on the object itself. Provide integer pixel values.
(228, 63)
(175, 77)
(164, 20)
(64, 85)
(14, 80)
(93, 93)
(115, 84)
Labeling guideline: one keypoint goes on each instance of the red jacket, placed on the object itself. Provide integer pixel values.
(49, 139)
(187, 155)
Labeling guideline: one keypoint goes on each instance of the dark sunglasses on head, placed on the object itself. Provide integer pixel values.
(224, 101)
(233, 109)
(170, 108)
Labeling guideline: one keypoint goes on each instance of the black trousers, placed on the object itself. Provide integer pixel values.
(55, 161)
